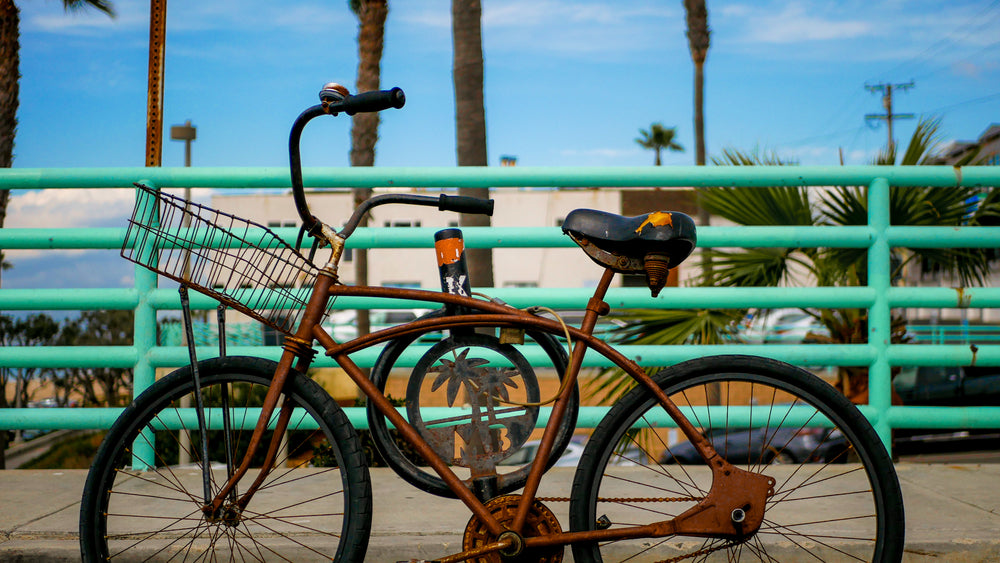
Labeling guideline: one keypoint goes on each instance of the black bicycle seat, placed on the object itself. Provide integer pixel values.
(623, 243)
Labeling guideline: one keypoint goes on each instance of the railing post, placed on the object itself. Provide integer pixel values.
(144, 338)
(879, 315)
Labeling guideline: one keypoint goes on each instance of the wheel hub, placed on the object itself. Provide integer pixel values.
(229, 515)
(541, 521)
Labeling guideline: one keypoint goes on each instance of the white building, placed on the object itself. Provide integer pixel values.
(513, 267)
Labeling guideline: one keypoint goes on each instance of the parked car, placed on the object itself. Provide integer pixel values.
(782, 326)
(949, 386)
(940, 386)
(571, 455)
(771, 445)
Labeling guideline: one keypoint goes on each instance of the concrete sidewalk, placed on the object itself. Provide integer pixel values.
(952, 512)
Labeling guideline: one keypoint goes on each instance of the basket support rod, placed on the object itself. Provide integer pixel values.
(220, 315)
(206, 477)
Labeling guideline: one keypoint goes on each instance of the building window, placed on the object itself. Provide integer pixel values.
(520, 284)
(401, 224)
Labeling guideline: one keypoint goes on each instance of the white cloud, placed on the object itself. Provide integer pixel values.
(527, 13)
(82, 208)
(58, 208)
(190, 15)
(50, 17)
(797, 23)
(76, 209)
(568, 28)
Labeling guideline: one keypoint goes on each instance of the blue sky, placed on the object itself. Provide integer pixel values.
(568, 83)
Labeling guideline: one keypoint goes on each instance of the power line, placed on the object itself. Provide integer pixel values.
(972, 56)
(888, 116)
(966, 102)
(974, 24)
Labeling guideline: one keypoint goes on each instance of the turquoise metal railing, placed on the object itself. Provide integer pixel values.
(878, 236)
(953, 334)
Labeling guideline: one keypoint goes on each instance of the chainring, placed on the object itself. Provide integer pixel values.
(540, 522)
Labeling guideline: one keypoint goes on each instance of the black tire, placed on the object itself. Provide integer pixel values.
(302, 512)
(510, 478)
(846, 505)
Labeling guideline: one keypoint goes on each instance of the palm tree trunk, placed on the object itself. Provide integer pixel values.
(470, 120)
(364, 126)
(699, 112)
(9, 77)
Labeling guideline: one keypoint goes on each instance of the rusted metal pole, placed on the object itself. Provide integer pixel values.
(154, 95)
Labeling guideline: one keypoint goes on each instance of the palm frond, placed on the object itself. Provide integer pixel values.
(756, 157)
(923, 143)
(749, 267)
(101, 5)
(779, 206)
(659, 327)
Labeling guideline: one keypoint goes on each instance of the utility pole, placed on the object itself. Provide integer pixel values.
(888, 116)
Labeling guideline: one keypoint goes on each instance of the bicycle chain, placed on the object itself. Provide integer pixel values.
(705, 551)
(629, 499)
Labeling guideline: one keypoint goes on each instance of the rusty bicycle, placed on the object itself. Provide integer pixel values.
(240, 458)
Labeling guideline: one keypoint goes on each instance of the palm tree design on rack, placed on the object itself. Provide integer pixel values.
(484, 387)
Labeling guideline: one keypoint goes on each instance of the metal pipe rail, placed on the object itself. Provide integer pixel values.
(879, 296)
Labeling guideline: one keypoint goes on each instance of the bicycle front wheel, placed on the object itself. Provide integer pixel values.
(836, 496)
(144, 495)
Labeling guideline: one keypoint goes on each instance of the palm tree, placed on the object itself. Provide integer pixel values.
(470, 119)
(364, 125)
(699, 36)
(658, 138)
(10, 75)
(845, 205)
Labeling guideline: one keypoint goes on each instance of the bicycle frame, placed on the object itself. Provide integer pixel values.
(733, 493)
(732, 489)
(471, 456)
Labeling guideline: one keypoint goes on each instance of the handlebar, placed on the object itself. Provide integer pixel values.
(444, 202)
(335, 99)
(371, 101)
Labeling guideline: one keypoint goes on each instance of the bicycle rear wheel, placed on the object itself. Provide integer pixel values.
(511, 470)
(836, 498)
(140, 504)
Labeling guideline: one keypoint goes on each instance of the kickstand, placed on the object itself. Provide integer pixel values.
(199, 402)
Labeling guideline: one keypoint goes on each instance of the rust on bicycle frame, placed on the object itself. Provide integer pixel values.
(733, 488)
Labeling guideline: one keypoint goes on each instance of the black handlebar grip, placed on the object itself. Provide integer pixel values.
(465, 204)
(377, 100)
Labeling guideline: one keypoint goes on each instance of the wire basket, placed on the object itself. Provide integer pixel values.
(238, 262)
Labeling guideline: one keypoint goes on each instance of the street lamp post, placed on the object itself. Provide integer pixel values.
(186, 133)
